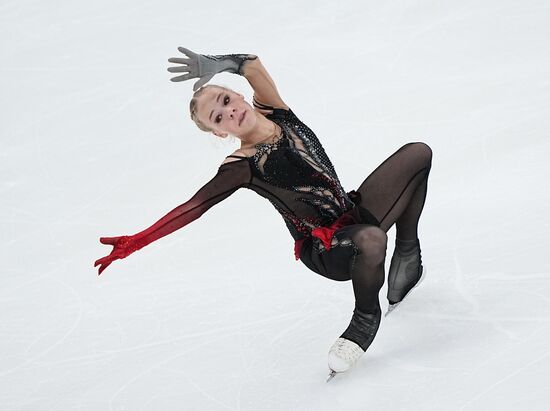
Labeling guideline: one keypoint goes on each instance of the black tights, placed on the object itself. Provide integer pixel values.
(394, 193)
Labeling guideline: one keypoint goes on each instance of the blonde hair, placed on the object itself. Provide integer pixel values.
(193, 106)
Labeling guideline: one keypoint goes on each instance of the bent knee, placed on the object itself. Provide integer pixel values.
(423, 151)
(372, 241)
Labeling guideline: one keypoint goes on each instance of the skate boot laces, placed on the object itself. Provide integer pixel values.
(353, 343)
(343, 355)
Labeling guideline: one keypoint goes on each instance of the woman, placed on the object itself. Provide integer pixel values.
(339, 235)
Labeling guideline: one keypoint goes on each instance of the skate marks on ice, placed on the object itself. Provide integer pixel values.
(45, 330)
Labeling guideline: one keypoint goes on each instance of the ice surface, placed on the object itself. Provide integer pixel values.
(96, 141)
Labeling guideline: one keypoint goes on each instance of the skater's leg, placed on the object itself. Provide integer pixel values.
(367, 276)
(396, 191)
(366, 269)
(361, 260)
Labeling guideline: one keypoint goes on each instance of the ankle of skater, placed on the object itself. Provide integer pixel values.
(406, 245)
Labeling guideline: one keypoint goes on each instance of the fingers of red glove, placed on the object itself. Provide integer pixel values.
(123, 246)
(103, 267)
(104, 260)
(108, 240)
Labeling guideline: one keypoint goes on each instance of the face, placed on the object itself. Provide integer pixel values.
(223, 110)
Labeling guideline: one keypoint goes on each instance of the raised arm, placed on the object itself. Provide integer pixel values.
(229, 178)
(205, 66)
(265, 91)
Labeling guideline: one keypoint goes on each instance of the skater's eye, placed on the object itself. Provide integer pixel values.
(225, 102)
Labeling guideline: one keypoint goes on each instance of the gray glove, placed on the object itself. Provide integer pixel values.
(205, 66)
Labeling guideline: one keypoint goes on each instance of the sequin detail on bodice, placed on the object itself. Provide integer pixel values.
(296, 176)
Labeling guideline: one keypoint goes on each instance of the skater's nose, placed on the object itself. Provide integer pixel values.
(232, 112)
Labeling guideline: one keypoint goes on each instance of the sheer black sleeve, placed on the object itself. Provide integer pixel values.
(230, 177)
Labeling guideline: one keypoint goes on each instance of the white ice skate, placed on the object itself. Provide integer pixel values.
(392, 307)
(342, 356)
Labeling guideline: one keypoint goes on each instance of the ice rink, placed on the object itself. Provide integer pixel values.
(97, 141)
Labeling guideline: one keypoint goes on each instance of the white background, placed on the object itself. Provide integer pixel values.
(96, 141)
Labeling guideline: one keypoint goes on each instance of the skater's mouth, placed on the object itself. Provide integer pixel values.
(242, 118)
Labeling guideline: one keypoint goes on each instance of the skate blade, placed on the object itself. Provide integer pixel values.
(392, 307)
(331, 375)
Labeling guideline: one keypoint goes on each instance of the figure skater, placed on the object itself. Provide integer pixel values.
(339, 235)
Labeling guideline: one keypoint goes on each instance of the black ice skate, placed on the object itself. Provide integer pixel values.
(406, 273)
(353, 343)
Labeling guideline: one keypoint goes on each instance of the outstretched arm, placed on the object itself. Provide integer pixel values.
(228, 179)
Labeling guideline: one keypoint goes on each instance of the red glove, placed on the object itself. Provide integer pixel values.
(122, 247)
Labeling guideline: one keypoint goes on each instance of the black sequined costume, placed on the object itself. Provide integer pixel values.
(293, 173)
(333, 230)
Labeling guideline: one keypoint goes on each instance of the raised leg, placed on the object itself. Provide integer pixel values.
(396, 191)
